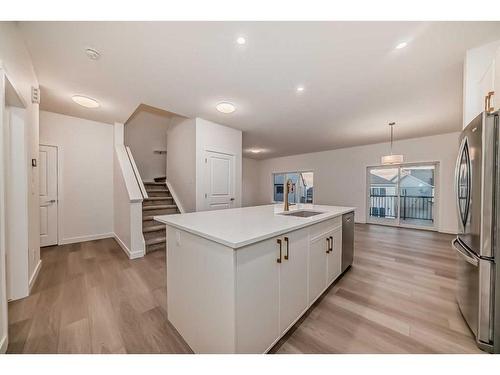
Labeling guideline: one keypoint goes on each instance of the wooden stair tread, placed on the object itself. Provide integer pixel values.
(153, 228)
(151, 199)
(158, 207)
(154, 183)
(157, 192)
(156, 247)
(156, 240)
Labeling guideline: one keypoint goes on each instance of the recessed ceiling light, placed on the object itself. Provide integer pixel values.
(85, 101)
(93, 54)
(225, 107)
(241, 40)
(300, 88)
(401, 45)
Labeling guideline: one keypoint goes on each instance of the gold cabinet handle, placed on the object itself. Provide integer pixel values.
(287, 248)
(279, 243)
(487, 102)
(327, 245)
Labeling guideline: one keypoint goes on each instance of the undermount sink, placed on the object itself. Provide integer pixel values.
(302, 213)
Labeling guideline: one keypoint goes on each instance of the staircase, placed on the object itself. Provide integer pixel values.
(160, 202)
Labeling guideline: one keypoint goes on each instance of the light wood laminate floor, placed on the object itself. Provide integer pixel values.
(397, 298)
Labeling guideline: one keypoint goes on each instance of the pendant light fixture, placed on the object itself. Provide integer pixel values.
(392, 159)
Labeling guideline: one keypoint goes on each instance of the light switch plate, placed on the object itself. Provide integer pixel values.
(178, 238)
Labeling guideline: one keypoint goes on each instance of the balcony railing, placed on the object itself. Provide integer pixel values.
(412, 207)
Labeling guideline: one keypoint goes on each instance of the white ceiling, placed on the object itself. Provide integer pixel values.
(355, 80)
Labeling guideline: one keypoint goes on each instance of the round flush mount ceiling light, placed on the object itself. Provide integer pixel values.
(300, 89)
(85, 101)
(225, 107)
(255, 150)
(401, 45)
(92, 54)
(241, 40)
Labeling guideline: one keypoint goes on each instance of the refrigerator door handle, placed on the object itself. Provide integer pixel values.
(463, 212)
(466, 254)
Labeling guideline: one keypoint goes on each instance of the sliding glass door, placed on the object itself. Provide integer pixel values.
(383, 194)
(402, 195)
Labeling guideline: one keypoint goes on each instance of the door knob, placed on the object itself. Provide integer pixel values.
(232, 199)
(52, 201)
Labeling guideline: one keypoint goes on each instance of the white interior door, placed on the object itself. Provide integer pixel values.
(219, 180)
(48, 195)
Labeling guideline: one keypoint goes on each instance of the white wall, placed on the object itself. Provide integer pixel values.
(16, 192)
(127, 200)
(85, 158)
(181, 161)
(249, 188)
(16, 61)
(477, 64)
(215, 137)
(340, 175)
(145, 133)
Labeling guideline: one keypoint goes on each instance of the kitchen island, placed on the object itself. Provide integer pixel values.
(238, 279)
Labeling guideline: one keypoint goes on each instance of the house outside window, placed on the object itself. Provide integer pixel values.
(303, 189)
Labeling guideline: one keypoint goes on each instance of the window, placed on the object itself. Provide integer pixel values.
(302, 187)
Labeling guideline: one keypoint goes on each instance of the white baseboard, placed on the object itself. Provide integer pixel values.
(446, 231)
(35, 275)
(130, 254)
(65, 241)
(4, 343)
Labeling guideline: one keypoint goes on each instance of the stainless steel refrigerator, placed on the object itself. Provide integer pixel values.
(477, 181)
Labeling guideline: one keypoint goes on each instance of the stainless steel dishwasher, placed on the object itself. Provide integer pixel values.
(347, 240)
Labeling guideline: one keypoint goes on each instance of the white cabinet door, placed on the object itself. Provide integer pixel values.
(485, 86)
(257, 296)
(334, 257)
(495, 100)
(293, 277)
(317, 266)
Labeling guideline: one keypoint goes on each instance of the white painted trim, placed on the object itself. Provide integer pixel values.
(176, 199)
(130, 254)
(65, 241)
(3, 266)
(446, 231)
(60, 195)
(125, 168)
(34, 276)
(136, 173)
(4, 343)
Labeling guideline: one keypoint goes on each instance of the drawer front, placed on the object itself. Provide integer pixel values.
(324, 227)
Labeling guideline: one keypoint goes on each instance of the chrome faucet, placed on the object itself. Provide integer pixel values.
(288, 189)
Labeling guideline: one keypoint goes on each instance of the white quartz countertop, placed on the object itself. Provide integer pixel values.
(238, 227)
